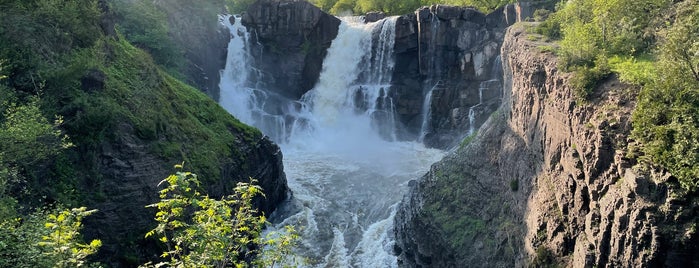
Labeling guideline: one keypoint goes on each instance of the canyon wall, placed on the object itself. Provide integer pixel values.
(546, 181)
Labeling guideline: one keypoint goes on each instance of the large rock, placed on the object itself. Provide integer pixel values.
(452, 52)
(546, 182)
(294, 36)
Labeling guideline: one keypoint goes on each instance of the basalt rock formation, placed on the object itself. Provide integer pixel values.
(546, 181)
(294, 37)
(450, 54)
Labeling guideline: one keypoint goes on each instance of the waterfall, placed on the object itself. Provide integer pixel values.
(236, 97)
(245, 100)
(351, 104)
(434, 72)
(342, 161)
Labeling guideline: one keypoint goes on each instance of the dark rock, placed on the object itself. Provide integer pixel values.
(374, 16)
(455, 48)
(295, 36)
(496, 19)
(447, 12)
(473, 15)
(93, 80)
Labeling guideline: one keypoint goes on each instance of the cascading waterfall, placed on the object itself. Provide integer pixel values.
(236, 97)
(434, 73)
(343, 164)
(241, 98)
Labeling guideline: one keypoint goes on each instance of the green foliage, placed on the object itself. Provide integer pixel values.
(666, 120)
(63, 241)
(514, 185)
(468, 140)
(593, 30)
(585, 79)
(145, 25)
(27, 136)
(35, 35)
(203, 232)
(42, 239)
(544, 258)
(634, 70)
(19, 240)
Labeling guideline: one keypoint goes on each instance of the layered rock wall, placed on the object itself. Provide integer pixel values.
(546, 182)
(292, 37)
(449, 53)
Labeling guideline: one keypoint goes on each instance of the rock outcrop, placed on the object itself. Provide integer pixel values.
(547, 182)
(451, 53)
(294, 36)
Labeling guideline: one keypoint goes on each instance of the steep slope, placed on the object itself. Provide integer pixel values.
(129, 121)
(546, 182)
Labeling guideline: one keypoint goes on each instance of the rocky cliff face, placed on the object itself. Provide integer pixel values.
(450, 54)
(546, 182)
(293, 38)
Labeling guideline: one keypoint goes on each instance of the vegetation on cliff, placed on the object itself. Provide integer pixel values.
(649, 43)
(74, 92)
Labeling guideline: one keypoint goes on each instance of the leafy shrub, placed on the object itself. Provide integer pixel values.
(200, 231)
(666, 120)
(544, 258)
(586, 79)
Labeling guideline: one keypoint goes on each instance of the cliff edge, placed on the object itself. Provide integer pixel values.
(546, 182)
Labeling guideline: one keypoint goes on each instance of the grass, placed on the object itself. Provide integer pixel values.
(180, 122)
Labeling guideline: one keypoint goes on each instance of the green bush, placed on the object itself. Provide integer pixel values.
(544, 258)
(634, 70)
(586, 79)
(146, 27)
(203, 232)
(666, 120)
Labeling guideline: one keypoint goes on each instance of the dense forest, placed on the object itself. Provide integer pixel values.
(69, 84)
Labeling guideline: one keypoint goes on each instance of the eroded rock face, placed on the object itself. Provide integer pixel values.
(130, 173)
(294, 36)
(547, 176)
(452, 53)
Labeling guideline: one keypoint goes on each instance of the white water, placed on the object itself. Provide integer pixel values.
(342, 162)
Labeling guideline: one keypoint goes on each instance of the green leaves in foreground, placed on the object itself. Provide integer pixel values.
(200, 231)
(64, 241)
(666, 120)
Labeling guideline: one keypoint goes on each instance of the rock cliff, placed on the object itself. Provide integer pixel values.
(293, 36)
(451, 55)
(546, 181)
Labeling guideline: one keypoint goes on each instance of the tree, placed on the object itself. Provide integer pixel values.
(200, 231)
(64, 243)
(666, 120)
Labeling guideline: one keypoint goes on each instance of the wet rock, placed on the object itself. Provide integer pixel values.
(374, 16)
(294, 36)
